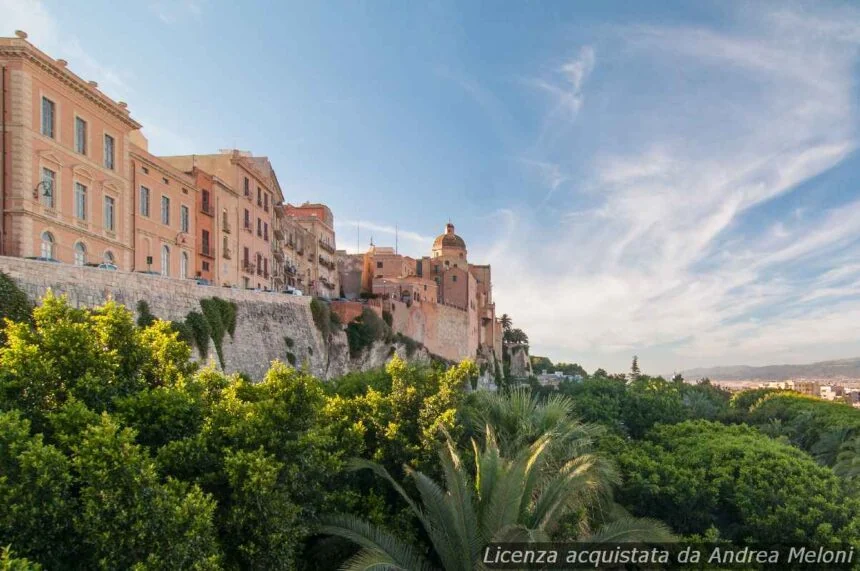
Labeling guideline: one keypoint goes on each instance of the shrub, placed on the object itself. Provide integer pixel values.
(14, 303)
(200, 330)
(289, 341)
(387, 317)
(185, 332)
(291, 359)
(410, 344)
(321, 313)
(364, 330)
(221, 316)
(145, 318)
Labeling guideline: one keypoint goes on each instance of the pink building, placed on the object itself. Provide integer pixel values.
(66, 193)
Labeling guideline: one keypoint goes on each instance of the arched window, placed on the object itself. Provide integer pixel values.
(183, 265)
(80, 254)
(109, 259)
(165, 261)
(47, 245)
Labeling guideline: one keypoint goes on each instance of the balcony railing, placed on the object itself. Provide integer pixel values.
(207, 209)
(326, 264)
(206, 250)
(328, 248)
(248, 267)
(279, 254)
(279, 234)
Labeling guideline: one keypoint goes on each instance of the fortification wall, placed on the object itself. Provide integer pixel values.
(446, 331)
(263, 319)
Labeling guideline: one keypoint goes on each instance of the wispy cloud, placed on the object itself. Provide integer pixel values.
(565, 84)
(684, 255)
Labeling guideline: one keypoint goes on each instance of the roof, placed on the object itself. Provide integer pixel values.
(449, 239)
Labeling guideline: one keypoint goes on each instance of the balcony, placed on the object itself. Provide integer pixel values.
(279, 255)
(225, 226)
(207, 209)
(248, 194)
(248, 267)
(227, 253)
(247, 228)
(279, 234)
(291, 269)
(326, 264)
(328, 248)
(206, 250)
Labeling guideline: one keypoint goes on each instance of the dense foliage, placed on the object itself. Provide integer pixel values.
(117, 451)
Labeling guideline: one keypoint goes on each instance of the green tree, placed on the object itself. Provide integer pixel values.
(506, 322)
(699, 474)
(127, 517)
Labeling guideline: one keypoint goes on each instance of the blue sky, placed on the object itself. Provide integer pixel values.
(675, 180)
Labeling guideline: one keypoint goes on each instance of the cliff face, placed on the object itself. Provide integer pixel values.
(521, 365)
(269, 326)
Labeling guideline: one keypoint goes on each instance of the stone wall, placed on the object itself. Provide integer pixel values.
(263, 320)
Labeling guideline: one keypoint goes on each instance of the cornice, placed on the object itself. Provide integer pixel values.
(22, 49)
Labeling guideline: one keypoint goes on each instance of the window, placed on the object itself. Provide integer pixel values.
(109, 152)
(205, 242)
(246, 254)
(49, 183)
(247, 219)
(109, 259)
(205, 266)
(259, 227)
(453, 278)
(109, 213)
(80, 254)
(206, 201)
(80, 201)
(165, 261)
(183, 265)
(144, 201)
(165, 210)
(48, 109)
(47, 246)
(80, 136)
(183, 218)
(259, 197)
(266, 231)
(225, 245)
(266, 202)
(378, 264)
(247, 187)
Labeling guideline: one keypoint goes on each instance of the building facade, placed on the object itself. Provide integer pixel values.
(66, 192)
(318, 222)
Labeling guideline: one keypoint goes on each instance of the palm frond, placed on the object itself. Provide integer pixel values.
(633, 529)
(380, 546)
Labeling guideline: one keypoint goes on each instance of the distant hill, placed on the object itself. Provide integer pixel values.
(823, 369)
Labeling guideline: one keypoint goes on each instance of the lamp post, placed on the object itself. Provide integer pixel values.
(47, 185)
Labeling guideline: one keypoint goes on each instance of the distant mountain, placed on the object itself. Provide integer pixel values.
(823, 369)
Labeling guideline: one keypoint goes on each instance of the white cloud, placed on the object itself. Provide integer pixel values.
(565, 84)
(671, 263)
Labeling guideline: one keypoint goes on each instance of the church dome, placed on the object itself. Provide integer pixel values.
(449, 239)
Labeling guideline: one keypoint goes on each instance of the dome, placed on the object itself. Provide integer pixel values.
(449, 239)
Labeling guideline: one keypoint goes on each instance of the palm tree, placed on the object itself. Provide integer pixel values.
(519, 418)
(507, 499)
(506, 322)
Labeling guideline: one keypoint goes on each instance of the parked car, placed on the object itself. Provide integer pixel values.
(108, 266)
(149, 273)
(202, 281)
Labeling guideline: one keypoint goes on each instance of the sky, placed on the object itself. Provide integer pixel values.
(674, 180)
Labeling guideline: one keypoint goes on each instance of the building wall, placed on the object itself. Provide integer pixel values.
(30, 75)
(350, 268)
(152, 235)
(445, 331)
(248, 185)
